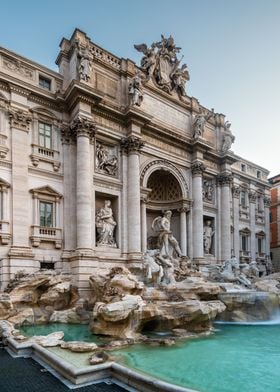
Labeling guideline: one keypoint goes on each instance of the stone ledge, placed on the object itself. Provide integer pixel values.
(79, 376)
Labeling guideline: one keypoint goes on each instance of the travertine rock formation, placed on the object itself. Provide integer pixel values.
(128, 307)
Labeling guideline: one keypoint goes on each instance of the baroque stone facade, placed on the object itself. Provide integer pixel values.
(275, 221)
(91, 155)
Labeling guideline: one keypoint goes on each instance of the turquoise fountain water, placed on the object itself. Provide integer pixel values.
(237, 358)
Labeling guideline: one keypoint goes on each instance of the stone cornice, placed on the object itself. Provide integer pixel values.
(77, 91)
(19, 119)
(197, 168)
(131, 144)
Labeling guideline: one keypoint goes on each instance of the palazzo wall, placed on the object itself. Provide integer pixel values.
(92, 155)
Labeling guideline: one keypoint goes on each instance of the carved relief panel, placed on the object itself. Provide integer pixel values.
(208, 191)
(106, 159)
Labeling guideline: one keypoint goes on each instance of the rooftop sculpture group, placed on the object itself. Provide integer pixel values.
(160, 63)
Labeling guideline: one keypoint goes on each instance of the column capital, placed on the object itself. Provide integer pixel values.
(197, 168)
(131, 144)
(67, 136)
(183, 210)
(267, 201)
(252, 196)
(225, 179)
(20, 119)
(82, 126)
(236, 191)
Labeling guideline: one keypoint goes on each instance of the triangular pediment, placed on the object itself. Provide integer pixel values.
(246, 230)
(46, 190)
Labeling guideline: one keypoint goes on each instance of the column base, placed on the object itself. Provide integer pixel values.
(83, 252)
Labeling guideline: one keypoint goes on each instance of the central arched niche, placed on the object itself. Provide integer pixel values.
(165, 194)
(164, 187)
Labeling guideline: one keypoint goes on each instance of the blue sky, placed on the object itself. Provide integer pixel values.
(231, 48)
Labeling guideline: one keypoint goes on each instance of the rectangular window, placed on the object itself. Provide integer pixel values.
(45, 135)
(260, 245)
(243, 199)
(258, 174)
(244, 242)
(46, 214)
(243, 167)
(45, 83)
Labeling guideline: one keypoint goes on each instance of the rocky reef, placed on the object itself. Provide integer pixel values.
(125, 307)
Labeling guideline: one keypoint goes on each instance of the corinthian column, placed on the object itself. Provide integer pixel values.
(132, 146)
(252, 200)
(20, 122)
(225, 180)
(84, 131)
(267, 204)
(183, 230)
(197, 170)
(236, 200)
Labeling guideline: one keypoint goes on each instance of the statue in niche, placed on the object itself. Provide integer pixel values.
(228, 138)
(105, 163)
(208, 190)
(199, 123)
(167, 242)
(105, 225)
(135, 90)
(208, 233)
(160, 63)
(85, 62)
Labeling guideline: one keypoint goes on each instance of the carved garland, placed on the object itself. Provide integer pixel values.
(20, 119)
(252, 197)
(236, 191)
(267, 201)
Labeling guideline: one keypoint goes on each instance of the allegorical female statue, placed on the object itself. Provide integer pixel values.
(105, 225)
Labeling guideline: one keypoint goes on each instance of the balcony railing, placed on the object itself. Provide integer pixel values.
(245, 254)
(40, 153)
(46, 234)
(260, 256)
